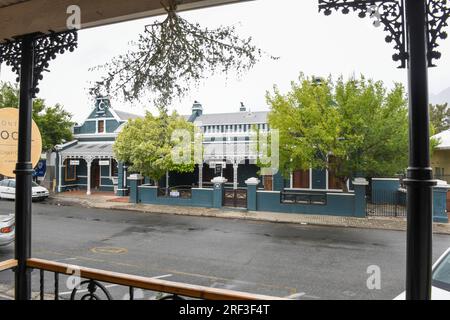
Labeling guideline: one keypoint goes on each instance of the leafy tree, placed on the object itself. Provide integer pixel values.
(146, 144)
(440, 117)
(354, 127)
(173, 55)
(54, 122)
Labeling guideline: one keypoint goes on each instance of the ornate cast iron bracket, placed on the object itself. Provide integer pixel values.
(46, 47)
(390, 14)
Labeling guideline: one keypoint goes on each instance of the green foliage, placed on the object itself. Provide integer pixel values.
(354, 127)
(146, 145)
(172, 56)
(440, 117)
(53, 122)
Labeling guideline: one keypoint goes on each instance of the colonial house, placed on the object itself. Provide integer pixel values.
(440, 159)
(88, 162)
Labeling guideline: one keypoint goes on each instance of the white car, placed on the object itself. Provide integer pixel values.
(7, 229)
(440, 279)
(8, 190)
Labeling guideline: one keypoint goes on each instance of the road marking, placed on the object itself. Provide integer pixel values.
(295, 295)
(6, 297)
(163, 276)
(292, 290)
(64, 259)
(109, 250)
(170, 271)
(85, 290)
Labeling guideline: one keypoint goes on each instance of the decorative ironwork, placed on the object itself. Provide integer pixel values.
(437, 15)
(92, 286)
(11, 54)
(46, 47)
(235, 198)
(390, 14)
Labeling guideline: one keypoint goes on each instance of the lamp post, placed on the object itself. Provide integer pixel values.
(29, 57)
(414, 28)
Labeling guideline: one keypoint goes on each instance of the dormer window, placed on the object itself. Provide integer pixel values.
(101, 126)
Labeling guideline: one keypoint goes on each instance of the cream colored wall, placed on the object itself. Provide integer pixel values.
(441, 159)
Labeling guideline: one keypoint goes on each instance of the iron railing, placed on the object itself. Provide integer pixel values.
(91, 284)
(303, 197)
(385, 203)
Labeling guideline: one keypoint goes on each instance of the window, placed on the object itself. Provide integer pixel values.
(114, 168)
(12, 184)
(70, 171)
(101, 126)
(4, 183)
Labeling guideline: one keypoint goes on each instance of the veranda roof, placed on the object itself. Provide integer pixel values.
(20, 17)
(90, 149)
(444, 140)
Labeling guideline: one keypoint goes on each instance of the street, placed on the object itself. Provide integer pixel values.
(286, 260)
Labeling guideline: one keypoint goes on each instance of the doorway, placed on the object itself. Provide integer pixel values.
(95, 175)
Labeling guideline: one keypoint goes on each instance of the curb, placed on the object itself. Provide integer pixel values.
(233, 215)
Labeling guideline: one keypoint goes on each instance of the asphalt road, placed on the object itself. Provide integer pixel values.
(303, 262)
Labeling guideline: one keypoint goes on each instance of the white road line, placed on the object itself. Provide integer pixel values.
(295, 295)
(163, 276)
(6, 297)
(111, 285)
(85, 290)
(65, 259)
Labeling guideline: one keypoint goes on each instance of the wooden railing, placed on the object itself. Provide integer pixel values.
(8, 264)
(175, 290)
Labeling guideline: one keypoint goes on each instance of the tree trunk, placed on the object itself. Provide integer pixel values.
(344, 184)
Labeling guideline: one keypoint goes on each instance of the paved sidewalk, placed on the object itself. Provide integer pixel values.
(110, 201)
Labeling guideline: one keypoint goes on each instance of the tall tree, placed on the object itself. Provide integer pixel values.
(354, 127)
(173, 55)
(147, 145)
(440, 117)
(54, 122)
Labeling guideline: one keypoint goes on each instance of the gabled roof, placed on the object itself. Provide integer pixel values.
(243, 117)
(126, 115)
(444, 140)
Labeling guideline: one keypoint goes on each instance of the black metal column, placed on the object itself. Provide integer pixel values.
(419, 176)
(24, 172)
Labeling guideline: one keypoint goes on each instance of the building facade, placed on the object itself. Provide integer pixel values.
(228, 139)
(88, 162)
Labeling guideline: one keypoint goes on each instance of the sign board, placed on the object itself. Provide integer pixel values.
(174, 194)
(74, 162)
(218, 168)
(103, 163)
(40, 169)
(9, 134)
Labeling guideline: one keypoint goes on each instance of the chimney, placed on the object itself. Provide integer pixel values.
(242, 108)
(197, 108)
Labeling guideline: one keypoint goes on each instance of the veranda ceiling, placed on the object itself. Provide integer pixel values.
(19, 17)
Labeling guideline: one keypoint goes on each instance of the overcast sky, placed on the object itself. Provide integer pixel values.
(305, 41)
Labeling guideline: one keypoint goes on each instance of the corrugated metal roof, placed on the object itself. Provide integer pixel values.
(101, 149)
(6, 3)
(244, 117)
(444, 139)
(126, 115)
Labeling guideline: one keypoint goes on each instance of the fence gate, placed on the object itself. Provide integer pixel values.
(384, 203)
(235, 198)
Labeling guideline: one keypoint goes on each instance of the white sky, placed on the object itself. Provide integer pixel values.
(305, 41)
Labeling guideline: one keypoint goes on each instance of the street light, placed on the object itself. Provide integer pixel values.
(421, 23)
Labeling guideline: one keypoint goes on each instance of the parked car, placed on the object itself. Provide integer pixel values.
(7, 229)
(8, 190)
(440, 279)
